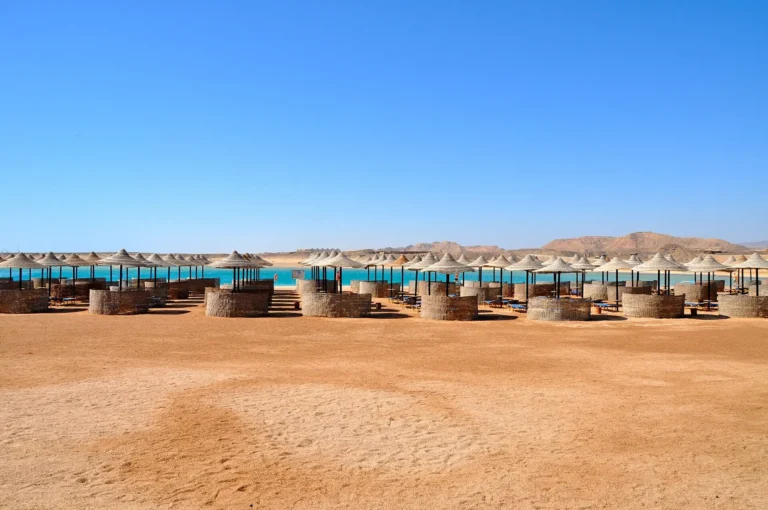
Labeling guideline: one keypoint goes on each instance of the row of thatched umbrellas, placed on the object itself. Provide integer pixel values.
(123, 259)
(531, 265)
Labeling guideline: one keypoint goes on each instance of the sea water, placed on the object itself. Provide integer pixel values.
(283, 276)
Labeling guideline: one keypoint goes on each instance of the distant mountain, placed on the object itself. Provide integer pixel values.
(641, 242)
(759, 245)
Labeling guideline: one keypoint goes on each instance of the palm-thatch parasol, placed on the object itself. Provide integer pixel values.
(660, 263)
(141, 262)
(480, 262)
(557, 268)
(446, 266)
(414, 261)
(93, 259)
(634, 260)
(121, 258)
(423, 264)
(236, 263)
(550, 260)
(528, 263)
(400, 262)
(582, 265)
(49, 261)
(341, 261)
(756, 262)
(157, 261)
(615, 265)
(20, 261)
(500, 262)
(708, 265)
(74, 261)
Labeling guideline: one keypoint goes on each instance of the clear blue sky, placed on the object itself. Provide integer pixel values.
(208, 126)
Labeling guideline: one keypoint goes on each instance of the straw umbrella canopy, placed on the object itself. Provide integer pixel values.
(756, 262)
(74, 261)
(158, 261)
(615, 265)
(480, 262)
(93, 259)
(236, 263)
(400, 262)
(448, 265)
(141, 261)
(660, 263)
(550, 260)
(422, 265)
(20, 261)
(121, 258)
(582, 265)
(414, 261)
(528, 264)
(49, 261)
(557, 268)
(463, 260)
(308, 261)
(709, 265)
(499, 262)
(341, 261)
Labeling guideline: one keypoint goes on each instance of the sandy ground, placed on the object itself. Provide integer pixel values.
(176, 410)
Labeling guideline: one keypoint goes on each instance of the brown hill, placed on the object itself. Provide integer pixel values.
(641, 242)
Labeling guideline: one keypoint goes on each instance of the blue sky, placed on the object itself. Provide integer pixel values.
(207, 126)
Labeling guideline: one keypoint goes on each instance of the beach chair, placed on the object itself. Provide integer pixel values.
(517, 307)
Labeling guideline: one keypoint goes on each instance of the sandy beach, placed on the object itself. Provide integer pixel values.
(176, 410)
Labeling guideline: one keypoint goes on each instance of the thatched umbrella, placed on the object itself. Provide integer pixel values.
(142, 262)
(49, 261)
(730, 261)
(409, 266)
(448, 265)
(93, 259)
(634, 260)
(709, 265)
(400, 262)
(121, 258)
(320, 264)
(501, 262)
(582, 265)
(341, 261)
(169, 262)
(74, 261)
(693, 263)
(550, 260)
(601, 260)
(528, 263)
(158, 261)
(423, 265)
(20, 261)
(389, 260)
(557, 268)
(615, 265)
(756, 262)
(660, 263)
(236, 263)
(480, 262)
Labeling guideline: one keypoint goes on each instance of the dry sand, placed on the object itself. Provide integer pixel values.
(176, 410)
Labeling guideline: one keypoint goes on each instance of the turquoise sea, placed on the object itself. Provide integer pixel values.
(284, 275)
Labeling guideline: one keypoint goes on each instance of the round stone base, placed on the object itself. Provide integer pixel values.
(378, 289)
(314, 286)
(23, 300)
(336, 305)
(743, 306)
(178, 290)
(696, 292)
(481, 293)
(128, 302)
(446, 308)
(550, 309)
(225, 303)
(653, 307)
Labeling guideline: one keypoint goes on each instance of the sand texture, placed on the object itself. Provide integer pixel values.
(177, 410)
